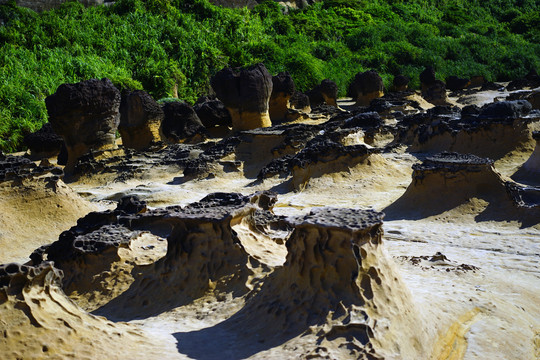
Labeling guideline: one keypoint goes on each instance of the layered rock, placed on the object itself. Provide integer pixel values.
(246, 94)
(366, 86)
(44, 143)
(35, 192)
(447, 181)
(39, 320)
(324, 93)
(283, 89)
(199, 240)
(181, 123)
(493, 130)
(86, 115)
(140, 120)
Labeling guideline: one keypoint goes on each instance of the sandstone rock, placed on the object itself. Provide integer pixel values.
(282, 90)
(324, 93)
(246, 94)
(212, 112)
(400, 82)
(181, 123)
(86, 115)
(477, 81)
(427, 78)
(140, 120)
(366, 86)
(44, 143)
(506, 110)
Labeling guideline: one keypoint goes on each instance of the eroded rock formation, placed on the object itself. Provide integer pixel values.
(367, 86)
(246, 94)
(140, 120)
(44, 143)
(324, 93)
(433, 90)
(181, 123)
(86, 115)
(282, 90)
(400, 82)
(212, 112)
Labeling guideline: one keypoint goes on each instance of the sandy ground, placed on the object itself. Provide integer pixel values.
(479, 296)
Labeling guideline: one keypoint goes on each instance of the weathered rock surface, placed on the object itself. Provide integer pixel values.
(246, 94)
(366, 86)
(181, 123)
(140, 120)
(86, 115)
(282, 90)
(400, 82)
(212, 112)
(44, 143)
(324, 93)
(454, 83)
(433, 90)
(300, 101)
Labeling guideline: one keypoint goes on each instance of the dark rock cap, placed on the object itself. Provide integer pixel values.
(506, 110)
(45, 140)
(212, 112)
(366, 82)
(283, 83)
(181, 121)
(246, 89)
(349, 219)
(428, 76)
(400, 80)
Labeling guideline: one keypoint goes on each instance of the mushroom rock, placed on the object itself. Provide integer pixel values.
(198, 239)
(339, 289)
(37, 313)
(181, 123)
(212, 112)
(477, 81)
(140, 120)
(427, 78)
(433, 90)
(400, 82)
(282, 90)
(531, 80)
(367, 86)
(447, 180)
(246, 94)
(454, 83)
(86, 115)
(324, 93)
(44, 143)
(300, 101)
(506, 110)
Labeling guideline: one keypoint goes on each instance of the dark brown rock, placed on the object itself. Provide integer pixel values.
(300, 101)
(282, 90)
(140, 120)
(86, 115)
(44, 143)
(212, 112)
(400, 82)
(181, 123)
(324, 93)
(366, 86)
(246, 94)
(454, 83)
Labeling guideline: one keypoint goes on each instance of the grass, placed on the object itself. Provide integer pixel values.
(158, 45)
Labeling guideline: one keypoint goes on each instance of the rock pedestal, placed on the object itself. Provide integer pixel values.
(367, 86)
(246, 94)
(86, 115)
(140, 120)
(282, 91)
(324, 93)
(181, 123)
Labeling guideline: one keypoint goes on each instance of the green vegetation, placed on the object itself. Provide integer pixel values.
(163, 45)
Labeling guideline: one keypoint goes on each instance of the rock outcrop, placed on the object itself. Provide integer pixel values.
(400, 82)
(39, 320)
(300, 101)
(181, 123)
(140, 120)
(282, 90)
(446, 181)
(433, 90)
(246, 94)
(86, 115)
(529, 172)
(324, 93)
(454, 83)
(212, 112)
(366, 86)
(44, 143)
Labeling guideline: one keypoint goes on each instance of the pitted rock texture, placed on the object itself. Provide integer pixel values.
(86, 115)
(282, 89)
(199, 240)
(366, 86)
(181, 123)
(324, 93)
(246, 94)
(300, 101)
(531, 80)
(331, 287)
(454, 83)
(506, 110)
(140, 120)
(212, 112)
(44, 143)
(17, 169)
